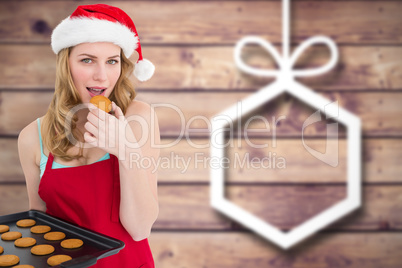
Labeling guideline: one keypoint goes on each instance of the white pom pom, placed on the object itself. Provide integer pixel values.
(144, 70)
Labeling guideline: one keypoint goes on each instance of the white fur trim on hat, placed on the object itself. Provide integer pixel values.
(144, 69)
(71, 32)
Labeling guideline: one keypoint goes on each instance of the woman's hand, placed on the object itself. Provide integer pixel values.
(108, 132)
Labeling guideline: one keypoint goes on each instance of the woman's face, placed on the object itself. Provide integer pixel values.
(95, 68)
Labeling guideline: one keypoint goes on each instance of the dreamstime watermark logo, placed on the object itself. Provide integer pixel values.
(237, 133)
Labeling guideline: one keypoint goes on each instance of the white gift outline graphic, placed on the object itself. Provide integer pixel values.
(285, 83)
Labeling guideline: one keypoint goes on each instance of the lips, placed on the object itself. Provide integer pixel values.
(95, 91)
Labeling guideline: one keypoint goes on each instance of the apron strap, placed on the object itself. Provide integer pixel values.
(49, 161)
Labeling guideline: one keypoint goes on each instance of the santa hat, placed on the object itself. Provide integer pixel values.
(102, 23)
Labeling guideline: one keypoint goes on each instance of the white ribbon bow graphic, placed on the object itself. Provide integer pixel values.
(285, 63)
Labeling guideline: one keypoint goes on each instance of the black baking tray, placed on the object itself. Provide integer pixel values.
(96, 246)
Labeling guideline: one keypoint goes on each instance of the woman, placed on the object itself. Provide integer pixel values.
(77, 161)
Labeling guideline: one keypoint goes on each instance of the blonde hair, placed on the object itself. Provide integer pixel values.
(55, 128)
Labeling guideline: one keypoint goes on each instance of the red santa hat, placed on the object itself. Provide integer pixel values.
(102, 23)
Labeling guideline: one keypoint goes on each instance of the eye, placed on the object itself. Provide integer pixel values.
(86, 60)
(112, 62)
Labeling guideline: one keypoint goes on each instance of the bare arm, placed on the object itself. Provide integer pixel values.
(28, 146)
(139, 197)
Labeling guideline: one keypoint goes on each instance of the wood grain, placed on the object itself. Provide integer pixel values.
(184, 163)
(13, 198)
(161, 22)
(182, 114)
(186, 207)
(233, 249)
(10, 167)
(213, 68)
(379, 112)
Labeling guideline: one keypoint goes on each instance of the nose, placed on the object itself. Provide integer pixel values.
(100, 73)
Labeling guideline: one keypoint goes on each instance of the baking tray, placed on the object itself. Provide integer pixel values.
(96, 246)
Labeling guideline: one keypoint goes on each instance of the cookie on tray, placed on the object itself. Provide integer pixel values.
(1, 249)
(41, 250)
(54, 236)
(8, 260)
(57, 259)
(24, 266)
(25, 242)
(26, 223)
(9, 236)
(40, 229)
(72, 243)
(4, 228)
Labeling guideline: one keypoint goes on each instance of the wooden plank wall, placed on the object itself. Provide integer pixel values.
(191, 43)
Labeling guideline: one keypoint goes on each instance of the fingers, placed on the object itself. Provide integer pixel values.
(92, 129)
(97, 117)
(117, 111)
(93, 119)
(102, 127)
(97, 113)
(90, 139)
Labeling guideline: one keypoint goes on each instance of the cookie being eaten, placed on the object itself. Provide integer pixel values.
(102, 103)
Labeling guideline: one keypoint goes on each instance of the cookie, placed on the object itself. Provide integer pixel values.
(9, 236)
(8, 260)
(24, 266)
(72, 243)
(4, 228)
(1, 249)
(102, 103)
(53, 236)
(57, 259)
(40, 229)
(26, 223)
(41, 250)
(25, 242)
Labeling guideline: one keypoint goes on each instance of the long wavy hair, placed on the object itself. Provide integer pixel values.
(56, 127)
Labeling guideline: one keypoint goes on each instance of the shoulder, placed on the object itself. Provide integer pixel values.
(141, 111)
(28, 141)
(139, 108)
(29, 135)
(143, 120)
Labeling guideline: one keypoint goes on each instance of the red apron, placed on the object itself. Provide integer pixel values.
(89, 196)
